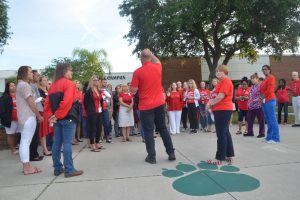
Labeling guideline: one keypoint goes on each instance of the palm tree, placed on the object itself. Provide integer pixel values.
(87, 63)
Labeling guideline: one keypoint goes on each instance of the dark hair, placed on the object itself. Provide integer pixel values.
(245, 79)
(85, 86)
(268, 67)
(261, 78)
(6, 90)
(284, 84)
(61, 70)
(34, 71)
(22, 72)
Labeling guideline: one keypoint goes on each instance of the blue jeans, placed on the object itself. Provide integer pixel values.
(203, 116)
(270, 117)
(148, 119)
(106, 123)
(142, 131)
(64, 131)
(85, 132)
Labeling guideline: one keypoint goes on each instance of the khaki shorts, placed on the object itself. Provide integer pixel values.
(14, 128)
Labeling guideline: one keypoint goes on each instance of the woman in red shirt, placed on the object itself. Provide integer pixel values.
(93, 104)
(192, 96)
(242, 96)
(8, 115)
(174, 101)
(204, 97)
(282, 100)
(267, 92)
(126, 117)
(222, 109)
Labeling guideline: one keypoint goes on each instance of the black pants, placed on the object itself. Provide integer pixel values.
(285, 110)
(34, 143)
(192, 112)
(157, 116)
(224, 142)
(184, 117)
(94, 127)
(115, 116)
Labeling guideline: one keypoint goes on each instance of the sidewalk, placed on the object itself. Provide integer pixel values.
(267, 171)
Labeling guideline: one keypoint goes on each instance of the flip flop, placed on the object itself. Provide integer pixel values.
(95, 150)
(101, 147)
(35, 171)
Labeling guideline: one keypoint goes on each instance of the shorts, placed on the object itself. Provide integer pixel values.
(242, 114)
(14, 128)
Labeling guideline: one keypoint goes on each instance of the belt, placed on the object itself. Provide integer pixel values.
(296, 96)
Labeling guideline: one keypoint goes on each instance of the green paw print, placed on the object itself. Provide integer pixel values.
(208, 180)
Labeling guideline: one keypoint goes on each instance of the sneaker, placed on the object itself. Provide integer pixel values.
(264, 140)
(75, 173)
(150, 160)
(57, 173)
(272, 142)
(172, 156)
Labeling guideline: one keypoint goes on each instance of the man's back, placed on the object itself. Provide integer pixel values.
(148, 81)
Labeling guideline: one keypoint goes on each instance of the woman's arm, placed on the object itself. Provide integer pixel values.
(121, 102)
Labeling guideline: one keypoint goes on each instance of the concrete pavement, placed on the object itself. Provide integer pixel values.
(119, 171)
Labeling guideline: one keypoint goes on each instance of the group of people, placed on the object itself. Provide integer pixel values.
(58, 112)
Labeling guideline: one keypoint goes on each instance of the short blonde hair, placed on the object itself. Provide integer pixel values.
(223, 68)
(125, 88)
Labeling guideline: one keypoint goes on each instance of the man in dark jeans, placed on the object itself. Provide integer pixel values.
(147, 79)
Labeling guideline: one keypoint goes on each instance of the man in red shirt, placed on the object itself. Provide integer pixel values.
(295, 90)
(147, 80)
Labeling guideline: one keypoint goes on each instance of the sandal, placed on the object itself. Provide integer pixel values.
(34, 170)
(95, 150)
(229, 160)
(238, 132)
(16, 152)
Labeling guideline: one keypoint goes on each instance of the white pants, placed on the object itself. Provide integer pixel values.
(26, 137)
(175, 118)
(296, 108)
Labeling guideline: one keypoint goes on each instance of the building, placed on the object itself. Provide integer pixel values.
(182, 69)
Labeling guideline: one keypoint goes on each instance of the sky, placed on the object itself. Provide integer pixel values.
(47, 29)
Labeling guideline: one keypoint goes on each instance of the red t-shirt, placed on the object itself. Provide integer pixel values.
(282, 95)
(295, 88)
(174, 101)
(204, 96)
(213, 94)
(180, 90)
(14, 116)
(267, 88)
(97, 98)
(148, 81)
(242, 103)
(190, 93)
(224, 86)
(126, 97)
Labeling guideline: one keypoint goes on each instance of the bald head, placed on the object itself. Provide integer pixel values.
(295, 76)
(146, 55)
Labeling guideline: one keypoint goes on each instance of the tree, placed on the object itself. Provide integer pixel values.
(4, 34)
(90, 63)
(85, 63)
(49, 70)
(213, 28)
